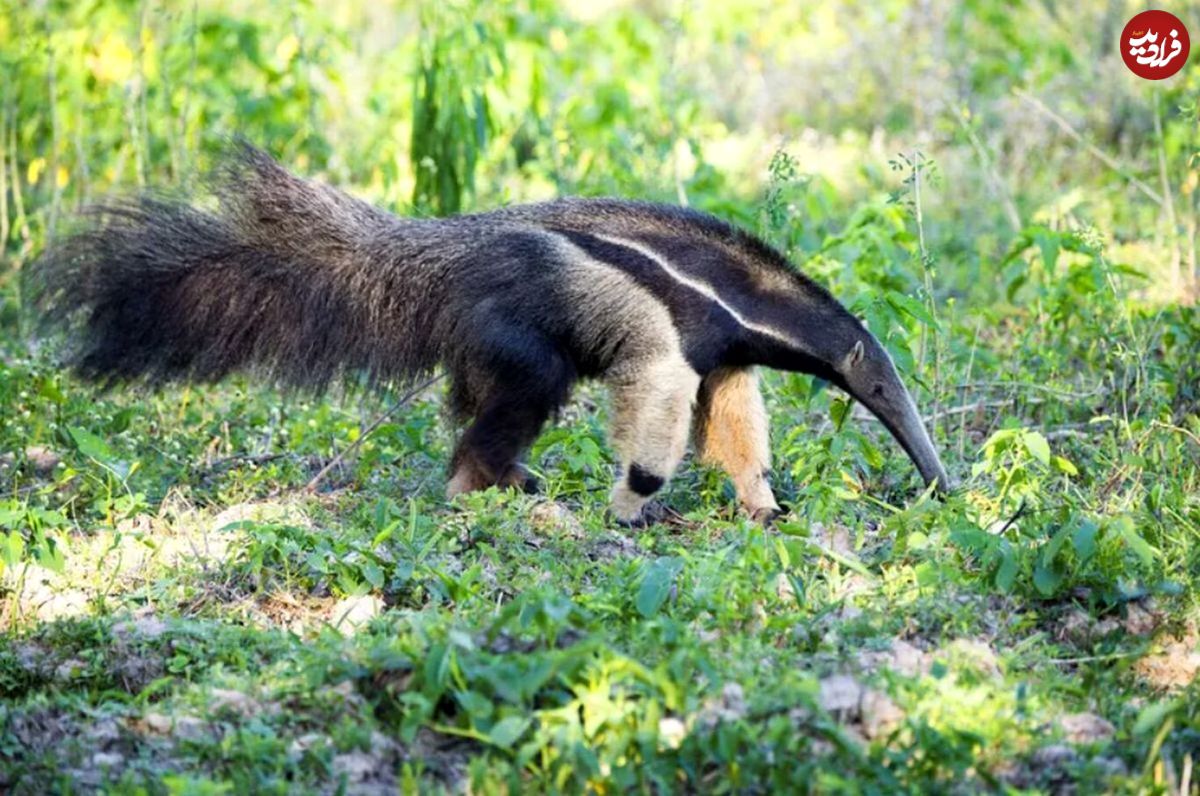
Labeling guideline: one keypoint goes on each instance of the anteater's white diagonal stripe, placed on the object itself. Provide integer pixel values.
(703, 289)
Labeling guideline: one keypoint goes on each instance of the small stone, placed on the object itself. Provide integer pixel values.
(1054, 756)
(1140, 620)
(880, 715)
(157, 723)
(148, 628)
(784, 589)
(840, 693)
(1176, 666)
(849, 611)
(734, 700)
(30, 657)
(907, 659)
(305, 742)
(382, 744)
(353, 613)
(977, 653)
(1084, 728)
(70, 668)
(356, 767)
(233, 701)
(103, 732)
(41, 459)
(107, 759)
(729, 706)
(1075, 626)
(190, 728)
(345, 690)
(552, 516)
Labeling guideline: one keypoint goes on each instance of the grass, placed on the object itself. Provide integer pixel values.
(189, 618)
(181, 613)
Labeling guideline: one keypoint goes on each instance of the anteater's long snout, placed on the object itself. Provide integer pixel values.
(904, 422)
(910, 432)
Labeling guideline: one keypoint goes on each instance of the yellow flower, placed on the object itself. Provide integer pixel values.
(286, 50)
(112, 61)
(34, 172)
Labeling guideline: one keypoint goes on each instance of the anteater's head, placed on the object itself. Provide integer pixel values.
(866, 372)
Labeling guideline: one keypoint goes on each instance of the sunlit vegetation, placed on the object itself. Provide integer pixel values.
(194, 601)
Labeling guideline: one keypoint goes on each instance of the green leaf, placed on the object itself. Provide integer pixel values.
(1084, 539)
(1046, 578)
(1137, 544)
(838, 411)
(1050, 551)
(12, 549)
(1037, 446)
(1006, 573)
(1152, 716)
(785, 558)
(90, 445)
(506, 731)
(373, 574)
(477, 705)
(11, 516)
(910, 306)
(656, 584)
(1050, 246)
(49, 555)
(1065, 466)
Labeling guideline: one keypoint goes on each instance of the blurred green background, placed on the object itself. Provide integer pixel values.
(1026, 109)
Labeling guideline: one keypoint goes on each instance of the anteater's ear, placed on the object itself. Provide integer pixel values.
(855, 356)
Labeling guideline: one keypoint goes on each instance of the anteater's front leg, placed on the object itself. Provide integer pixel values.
(652, 413)
(732, 433)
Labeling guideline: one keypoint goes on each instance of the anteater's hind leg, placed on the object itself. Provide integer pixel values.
(652, 408)
(522, 379)
(732, 432)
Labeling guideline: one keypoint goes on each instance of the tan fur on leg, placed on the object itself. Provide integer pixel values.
(732, 432)
(468, 477)
(652, 413)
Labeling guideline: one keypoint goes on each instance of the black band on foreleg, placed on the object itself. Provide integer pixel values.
(642, 481)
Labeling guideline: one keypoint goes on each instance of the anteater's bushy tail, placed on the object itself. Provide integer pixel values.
(284, 276)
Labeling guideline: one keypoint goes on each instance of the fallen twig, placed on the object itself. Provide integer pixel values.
(1092, 149)
(1076, 429)
(1016, 516)
(1020, 385)
(370, 429)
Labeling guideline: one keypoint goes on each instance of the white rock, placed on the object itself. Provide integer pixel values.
(158, 723)
(352, 613)
(1086, 728)
(880, 715)
(840, 692)
(107, 759)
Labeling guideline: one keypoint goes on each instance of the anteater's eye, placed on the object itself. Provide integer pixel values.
(877, 390)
